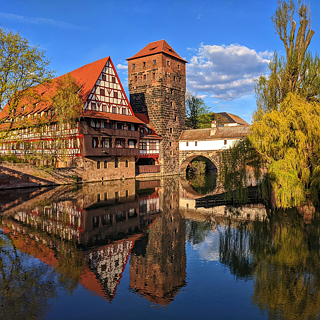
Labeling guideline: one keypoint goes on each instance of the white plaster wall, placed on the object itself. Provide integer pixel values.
(206, 145)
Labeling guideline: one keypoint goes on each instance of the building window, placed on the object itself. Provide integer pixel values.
(154, 61)
(93, 106)
(171, 103)
(116, 164)
(119, 126)
(105, 167)
(175, 118)
(168, 63)
(187, 144)
(170, 130)
(178, 66)
(144, 77)
(225, 142)
(102, 93)
(133, 66)
(127, 164)
(196, 143)
(115, 94)
(144, 64)
(153, 145)
(114, 110)
(143, 146)
(170, 144)
(124, 111)
(98, 164)
(113, 79)
(135, 78)
(153, 75)
(103, 77)
(174, 78)
(95, 142)
(104, 108)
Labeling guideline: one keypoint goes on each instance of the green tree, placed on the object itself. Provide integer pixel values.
(298, 71)
(195, 109)
(21, 68)
(283, 143)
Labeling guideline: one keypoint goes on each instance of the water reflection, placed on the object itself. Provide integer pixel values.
(88, 236)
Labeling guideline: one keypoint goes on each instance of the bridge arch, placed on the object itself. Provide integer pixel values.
(186, 158)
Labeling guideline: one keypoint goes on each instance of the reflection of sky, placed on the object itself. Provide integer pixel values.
(209, 249)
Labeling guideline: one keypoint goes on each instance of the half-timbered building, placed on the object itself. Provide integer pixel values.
(105, 139)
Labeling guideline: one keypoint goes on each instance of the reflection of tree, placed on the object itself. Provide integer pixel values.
(202, 183)
(287, 276)
(234, 251)
(282, 255)
(26, 285)
(197, 231)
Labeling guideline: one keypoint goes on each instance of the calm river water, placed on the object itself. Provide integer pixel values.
(142, 250)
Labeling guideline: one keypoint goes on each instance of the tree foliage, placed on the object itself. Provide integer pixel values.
(21, 68)
(195, 109)
(284, 140)
(298, 71)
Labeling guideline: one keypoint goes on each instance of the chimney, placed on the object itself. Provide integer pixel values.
(213, 128)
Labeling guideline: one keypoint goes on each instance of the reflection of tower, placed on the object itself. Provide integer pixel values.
(157, 85)
(158, 261)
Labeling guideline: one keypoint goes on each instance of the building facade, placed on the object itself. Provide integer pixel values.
(157, 85)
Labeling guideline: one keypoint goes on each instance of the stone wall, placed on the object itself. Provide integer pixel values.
(158, 90)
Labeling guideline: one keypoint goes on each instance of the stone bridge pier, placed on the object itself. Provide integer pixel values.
(186, 156)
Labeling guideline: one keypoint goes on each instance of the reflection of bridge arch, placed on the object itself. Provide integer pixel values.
(185, 157)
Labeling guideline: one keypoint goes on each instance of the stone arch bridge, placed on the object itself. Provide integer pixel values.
(186, 157)
(210, 142)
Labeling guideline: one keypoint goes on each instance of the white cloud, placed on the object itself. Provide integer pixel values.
(225, 72)
(40, 21)
(202, 96)
(122, 66)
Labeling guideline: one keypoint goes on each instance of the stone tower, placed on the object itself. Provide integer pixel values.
(157, 85)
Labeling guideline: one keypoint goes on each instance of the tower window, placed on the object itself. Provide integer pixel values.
(98, 164)
(174, 78)
(170, 130)
(144, 77)
(127, 164)
(170, 144)
(171, 103)
(168, 63)
(135, 78)
(134, 66)
(175, 118)
(178, 66)
(144, 63)
(116, 164)
(154, 61)
(153, 75)
(105, 166)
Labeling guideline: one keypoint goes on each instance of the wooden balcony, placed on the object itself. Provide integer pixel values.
(88, 151)
(148, 169)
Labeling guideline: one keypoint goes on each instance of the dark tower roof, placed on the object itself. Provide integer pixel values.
(160, 46)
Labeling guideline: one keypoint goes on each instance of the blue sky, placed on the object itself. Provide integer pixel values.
(227, 43)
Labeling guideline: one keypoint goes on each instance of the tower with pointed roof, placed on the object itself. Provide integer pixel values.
(157, 85)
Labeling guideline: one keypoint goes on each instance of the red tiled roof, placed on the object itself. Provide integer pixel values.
(111, 116)
(145, 119)
(230, 118)
(221, 133)
(85, 76)
(160, 46)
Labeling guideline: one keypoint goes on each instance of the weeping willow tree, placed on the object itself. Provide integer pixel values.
(282, 149)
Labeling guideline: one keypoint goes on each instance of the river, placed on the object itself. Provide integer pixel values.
(144, 250)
